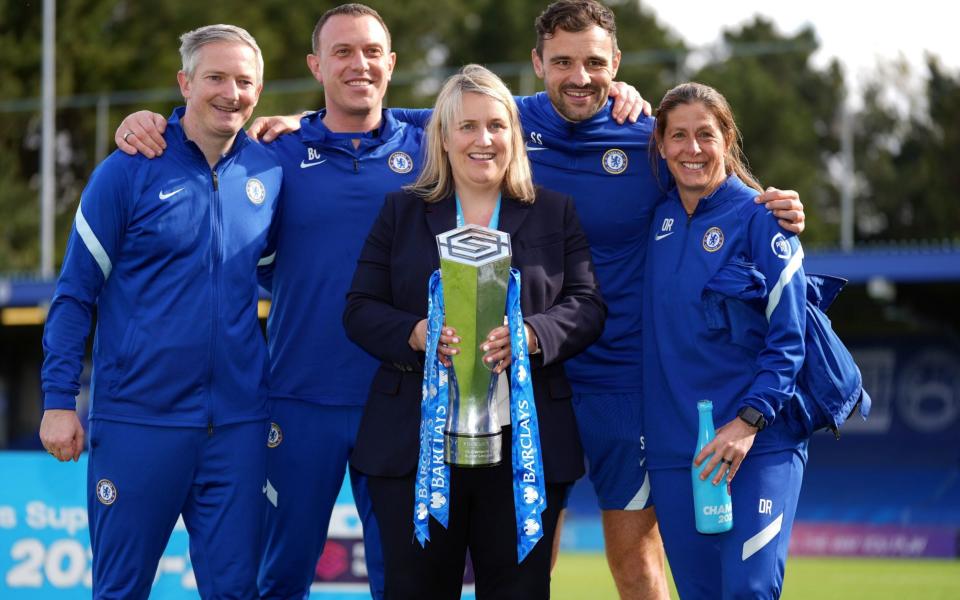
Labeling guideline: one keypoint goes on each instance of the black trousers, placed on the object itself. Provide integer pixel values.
(481, 520)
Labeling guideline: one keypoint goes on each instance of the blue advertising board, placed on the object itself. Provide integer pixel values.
(44, 538)
(45, 541)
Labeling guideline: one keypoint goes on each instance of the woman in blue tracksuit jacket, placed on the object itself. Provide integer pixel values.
(707, 223)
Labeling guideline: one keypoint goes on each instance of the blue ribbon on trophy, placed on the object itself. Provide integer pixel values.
(458, 423)
(529, 488)
(432, 491)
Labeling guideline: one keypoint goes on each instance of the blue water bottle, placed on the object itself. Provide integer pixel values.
(713, 508)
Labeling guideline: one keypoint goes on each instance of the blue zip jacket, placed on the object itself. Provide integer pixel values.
(606, 167)
(687, 359)
(332, 193)
(829, 385)
(166, 251)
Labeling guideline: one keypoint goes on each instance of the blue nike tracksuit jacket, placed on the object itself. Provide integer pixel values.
(166, 251)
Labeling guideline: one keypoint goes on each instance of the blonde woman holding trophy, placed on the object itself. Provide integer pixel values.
(438, 487)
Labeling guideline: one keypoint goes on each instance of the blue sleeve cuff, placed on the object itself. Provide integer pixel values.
(57, 401)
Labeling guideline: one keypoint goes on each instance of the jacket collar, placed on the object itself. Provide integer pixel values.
(177, 134)
(313, 129)
(598, 133)
(728, 189)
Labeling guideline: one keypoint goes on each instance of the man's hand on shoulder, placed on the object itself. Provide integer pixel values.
(267, 129)
(786, 207)
(627, 103)
(142, 132)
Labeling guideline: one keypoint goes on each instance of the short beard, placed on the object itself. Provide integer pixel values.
(560, 105)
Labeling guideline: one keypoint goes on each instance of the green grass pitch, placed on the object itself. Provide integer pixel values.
(584, 576)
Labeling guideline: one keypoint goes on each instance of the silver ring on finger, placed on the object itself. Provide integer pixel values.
(128, 134)
(726, 461)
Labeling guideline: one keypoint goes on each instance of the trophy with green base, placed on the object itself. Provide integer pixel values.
(475, 270)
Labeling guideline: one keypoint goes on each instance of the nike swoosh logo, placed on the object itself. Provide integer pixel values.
(173, 193)
(305, 165)
(534, 148)
(660, 236)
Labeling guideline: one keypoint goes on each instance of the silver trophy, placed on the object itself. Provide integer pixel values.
(475, 270)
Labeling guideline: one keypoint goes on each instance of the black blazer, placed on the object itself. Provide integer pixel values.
(559, 297)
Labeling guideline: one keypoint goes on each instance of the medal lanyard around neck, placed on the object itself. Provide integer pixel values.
(494, 218)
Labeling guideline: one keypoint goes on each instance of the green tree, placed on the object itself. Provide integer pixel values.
(110, 46)
(907, 162)
(786, 111)
(651, 53)
(105, 47)
(484, 32)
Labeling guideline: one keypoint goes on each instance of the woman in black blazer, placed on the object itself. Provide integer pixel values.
(476, 172)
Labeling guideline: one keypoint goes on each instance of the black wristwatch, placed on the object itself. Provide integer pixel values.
(752, 417)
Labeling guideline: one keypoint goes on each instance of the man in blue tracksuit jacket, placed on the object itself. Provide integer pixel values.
(319, 380)
(689, 359)
(605, 167)
(166, 252)
(337, 169)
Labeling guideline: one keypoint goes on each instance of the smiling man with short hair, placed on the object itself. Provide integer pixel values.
(165, 251)
(336, 170)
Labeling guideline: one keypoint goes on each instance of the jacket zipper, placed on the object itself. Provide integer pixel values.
(686, 236)
(215, 253)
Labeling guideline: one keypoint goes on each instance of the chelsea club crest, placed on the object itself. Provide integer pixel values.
(275, 436)
(614, 161)
(106, 492)
(400, 162)
(256, 193)
(713, 239)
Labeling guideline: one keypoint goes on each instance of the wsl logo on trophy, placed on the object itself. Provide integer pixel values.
(475, 270)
